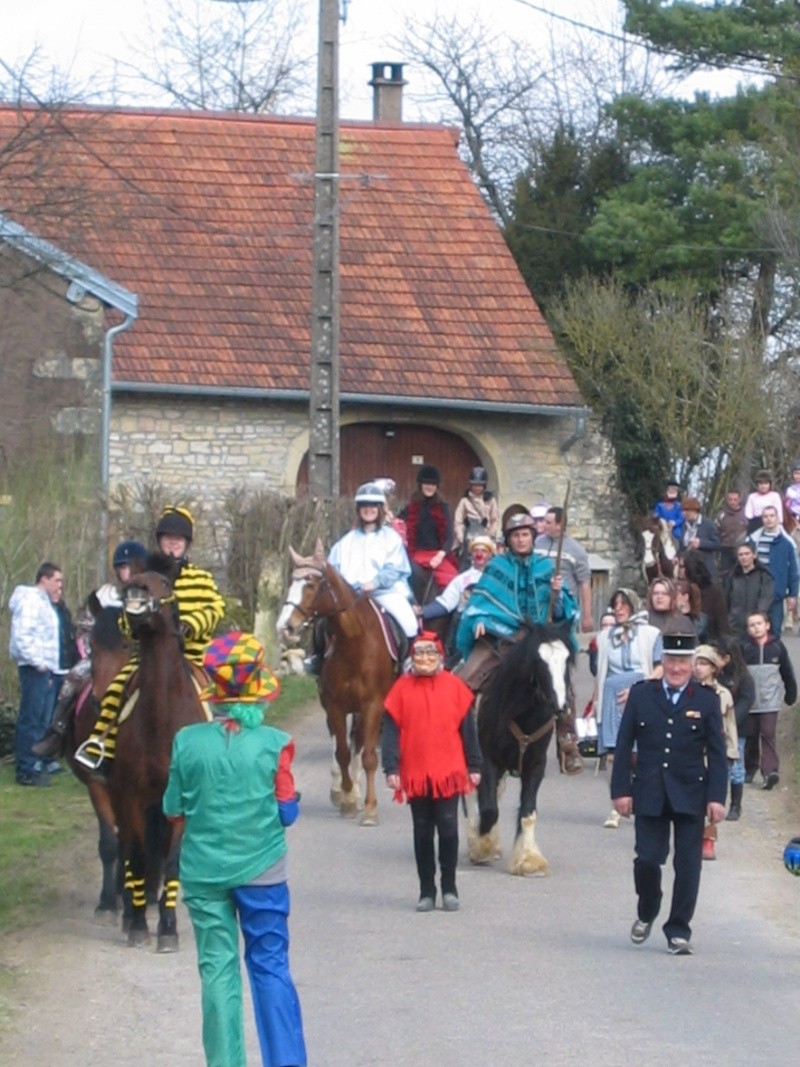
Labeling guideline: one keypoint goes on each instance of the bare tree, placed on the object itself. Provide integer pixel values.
(509, 99)
(236, 56)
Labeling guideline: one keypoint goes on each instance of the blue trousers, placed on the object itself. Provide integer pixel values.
(37, 701)
(652, 849)
(263, 912)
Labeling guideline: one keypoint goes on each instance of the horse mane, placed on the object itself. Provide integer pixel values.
(518, 687)
(166, 566)
(106, 633)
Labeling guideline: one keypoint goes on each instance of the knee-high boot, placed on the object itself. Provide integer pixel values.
(735, 811)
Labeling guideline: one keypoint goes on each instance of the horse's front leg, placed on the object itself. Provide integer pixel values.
(346, 796)
(483, 840)
(167, 939)
(138, 932)
(526, 857)
(369, 761)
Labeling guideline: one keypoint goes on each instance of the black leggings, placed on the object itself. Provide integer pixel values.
(440, 815)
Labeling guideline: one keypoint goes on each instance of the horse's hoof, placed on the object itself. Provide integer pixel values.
(167, 943)
(348, 809)
(370, 816)
(138, 938)
(336, 797)
(127, 923)
(482, 850)
(534, 865)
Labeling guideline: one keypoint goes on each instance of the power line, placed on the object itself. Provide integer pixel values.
(661, 50)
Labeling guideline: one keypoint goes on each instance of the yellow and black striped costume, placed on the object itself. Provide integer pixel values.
(201, 608)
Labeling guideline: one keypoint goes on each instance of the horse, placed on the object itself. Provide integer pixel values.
(110, 650)
(517, 715)
(357, 672)
(167, 685)
(657, 549)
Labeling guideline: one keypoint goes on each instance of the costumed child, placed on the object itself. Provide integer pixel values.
(707, 664)
(430, 755)
(669, 509)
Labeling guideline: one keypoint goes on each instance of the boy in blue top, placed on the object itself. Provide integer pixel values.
(669, 509)
(230, 782)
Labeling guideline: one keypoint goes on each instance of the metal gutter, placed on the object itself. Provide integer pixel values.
(105, 434)
(246, 393)
(82, 276)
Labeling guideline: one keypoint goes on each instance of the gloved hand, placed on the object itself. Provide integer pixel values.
(791, 856)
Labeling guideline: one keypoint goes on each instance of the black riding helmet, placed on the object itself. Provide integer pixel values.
(478, 476)
(128, 552)
(176, 522)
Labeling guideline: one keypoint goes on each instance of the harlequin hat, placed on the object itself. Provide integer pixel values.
(235, 664)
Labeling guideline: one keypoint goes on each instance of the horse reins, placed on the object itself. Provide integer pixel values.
(524, 740)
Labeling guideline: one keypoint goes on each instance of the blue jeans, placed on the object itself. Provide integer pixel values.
(737, 767)
(37, 701)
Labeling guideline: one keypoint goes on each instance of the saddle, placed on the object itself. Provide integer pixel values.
(393, 636)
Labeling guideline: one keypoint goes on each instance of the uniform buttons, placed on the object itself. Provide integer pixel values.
(669, 736)
(669, 721)
(665, 765)
(666, 750)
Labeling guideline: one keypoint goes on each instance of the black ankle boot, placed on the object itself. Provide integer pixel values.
(736, 803)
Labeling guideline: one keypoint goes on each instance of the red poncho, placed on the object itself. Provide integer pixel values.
(428, 712)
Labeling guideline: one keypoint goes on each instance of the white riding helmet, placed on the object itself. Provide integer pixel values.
(370, 493)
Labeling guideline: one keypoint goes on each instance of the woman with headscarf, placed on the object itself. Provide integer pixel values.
(627, 652)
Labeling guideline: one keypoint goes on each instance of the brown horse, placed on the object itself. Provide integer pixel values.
(357, 672)
(167, 700)
(110, 650)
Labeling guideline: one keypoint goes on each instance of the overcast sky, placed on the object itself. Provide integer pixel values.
(86, 36)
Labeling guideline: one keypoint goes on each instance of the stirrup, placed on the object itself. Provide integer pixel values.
(87, 759)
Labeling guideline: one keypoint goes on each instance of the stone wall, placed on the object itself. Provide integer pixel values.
(51, 354)
(200, 449)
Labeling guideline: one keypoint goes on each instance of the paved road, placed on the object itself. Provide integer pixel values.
(529, 971)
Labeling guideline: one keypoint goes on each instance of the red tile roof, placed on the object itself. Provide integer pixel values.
(208, 217)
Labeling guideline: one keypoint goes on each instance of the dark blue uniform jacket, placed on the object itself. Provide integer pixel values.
(681, 751)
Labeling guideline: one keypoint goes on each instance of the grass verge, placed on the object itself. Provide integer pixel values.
(38, 822)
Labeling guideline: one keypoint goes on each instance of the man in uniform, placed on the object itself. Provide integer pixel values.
(200, 607)
(680, 778)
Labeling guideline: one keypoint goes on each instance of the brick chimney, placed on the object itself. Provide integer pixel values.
(387, 87)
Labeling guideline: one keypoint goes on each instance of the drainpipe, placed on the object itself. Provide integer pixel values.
(105, 433)
(579, 432)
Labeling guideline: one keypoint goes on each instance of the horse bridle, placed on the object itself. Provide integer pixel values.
(311, 614)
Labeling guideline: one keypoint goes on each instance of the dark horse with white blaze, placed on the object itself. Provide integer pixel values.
(357, 672)
(517, 715)
(167, 685)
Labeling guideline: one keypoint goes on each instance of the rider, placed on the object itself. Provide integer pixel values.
(516, 587)
(200, 607)
(129, 557)
(372, 559)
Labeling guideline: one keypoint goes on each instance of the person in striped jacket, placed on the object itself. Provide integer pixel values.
(200, 607)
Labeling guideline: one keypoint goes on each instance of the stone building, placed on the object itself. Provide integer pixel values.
(188, 281)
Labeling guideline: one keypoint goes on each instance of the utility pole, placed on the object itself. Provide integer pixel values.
(323, 447)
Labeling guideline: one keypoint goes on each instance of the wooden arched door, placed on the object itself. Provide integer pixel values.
(397, 450)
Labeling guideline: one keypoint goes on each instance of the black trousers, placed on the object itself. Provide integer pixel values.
(435, 815)
(652, 850)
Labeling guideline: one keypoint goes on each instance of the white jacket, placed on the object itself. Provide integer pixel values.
(34, 640)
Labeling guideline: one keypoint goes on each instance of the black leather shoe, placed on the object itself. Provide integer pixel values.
(771, 780)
